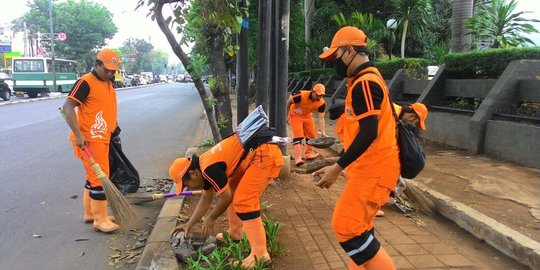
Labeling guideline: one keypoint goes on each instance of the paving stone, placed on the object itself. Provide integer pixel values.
(401, 263)
(337, 265)
(424, 261)
(322, 266)
(401, 238)
(391, 250)
(426, 239)
(454, 260)
(410, 249)
(438, 248)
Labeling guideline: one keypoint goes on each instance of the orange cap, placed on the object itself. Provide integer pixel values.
(177, 170)
(422, 112)
(346, 36)
(319, 89)
(110, 59)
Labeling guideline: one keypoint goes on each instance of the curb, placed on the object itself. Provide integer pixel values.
(55, 95)
(506, 240)
(501, 237)
(158, 241)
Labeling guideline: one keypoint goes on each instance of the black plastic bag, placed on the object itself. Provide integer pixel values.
(122, 173)
(411, 154)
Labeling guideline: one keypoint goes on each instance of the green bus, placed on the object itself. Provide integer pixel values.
(33, 76)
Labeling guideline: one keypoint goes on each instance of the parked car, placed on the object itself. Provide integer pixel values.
(162, 78)
(187, 78)
(127, 80)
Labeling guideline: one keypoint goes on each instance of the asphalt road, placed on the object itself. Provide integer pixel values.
(39, 174)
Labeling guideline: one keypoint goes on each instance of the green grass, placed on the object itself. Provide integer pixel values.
(225, 256)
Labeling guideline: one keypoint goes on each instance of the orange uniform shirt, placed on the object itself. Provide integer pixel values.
(223, 157)
(306, 106)
(381, 157)
(97, 113)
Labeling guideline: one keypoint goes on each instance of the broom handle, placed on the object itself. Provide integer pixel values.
(160, 196)
(183, 193)
(97, 169)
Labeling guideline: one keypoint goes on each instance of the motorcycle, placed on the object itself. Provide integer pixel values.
(5, 92)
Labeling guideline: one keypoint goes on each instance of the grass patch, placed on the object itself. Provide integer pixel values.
(225, 256)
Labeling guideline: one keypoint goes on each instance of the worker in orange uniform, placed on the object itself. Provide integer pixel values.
(234, 176)
(370, 157)
(300, 109)
(91, 127)
(415, 114)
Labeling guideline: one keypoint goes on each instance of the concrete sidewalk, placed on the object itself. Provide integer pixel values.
(414, 241)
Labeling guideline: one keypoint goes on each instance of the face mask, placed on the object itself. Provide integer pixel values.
(340, 67)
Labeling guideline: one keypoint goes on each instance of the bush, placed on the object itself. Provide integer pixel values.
(314, 73)
(486, 64)
(416, 66)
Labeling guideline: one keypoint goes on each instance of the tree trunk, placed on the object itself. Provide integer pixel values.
(403, 37)
(308, 13)
(461, 11)
(222, 88)
(186, 62)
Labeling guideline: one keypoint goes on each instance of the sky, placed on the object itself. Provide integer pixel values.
(135, 24)
(130, 23)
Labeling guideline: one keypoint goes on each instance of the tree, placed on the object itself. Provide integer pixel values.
(158, 61)
(461, 11)
(373, 28)
(407, 13)
(497, 24)
(87, 25)
(214, 23)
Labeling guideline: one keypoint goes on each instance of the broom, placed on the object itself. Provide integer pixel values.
(123, 212)
(144, 198)
(419, 199)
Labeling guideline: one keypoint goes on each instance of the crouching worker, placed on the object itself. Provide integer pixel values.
(238, 177)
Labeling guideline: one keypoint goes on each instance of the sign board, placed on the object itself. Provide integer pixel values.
(5, 48)
(61, 36)
(12, 54)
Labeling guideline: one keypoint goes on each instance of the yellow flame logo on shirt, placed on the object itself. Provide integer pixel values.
(99, 127)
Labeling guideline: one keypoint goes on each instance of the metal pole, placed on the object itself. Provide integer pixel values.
(242, 76)
(52, 46)
(274, 52)
(263, 53)
(283, 69)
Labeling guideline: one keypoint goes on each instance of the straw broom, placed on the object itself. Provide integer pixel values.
(419, 199)
(123, 212)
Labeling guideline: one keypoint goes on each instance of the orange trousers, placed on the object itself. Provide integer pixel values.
(100, 153)
(303, 127)
(357, 206)
(253, 175)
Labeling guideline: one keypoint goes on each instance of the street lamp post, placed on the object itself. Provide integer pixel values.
(52, 46)
(392, 25)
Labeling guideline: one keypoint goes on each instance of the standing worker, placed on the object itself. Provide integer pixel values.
(300, 109)
(91, 127)
(371, 159)
(236, 176)
(415, 114)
